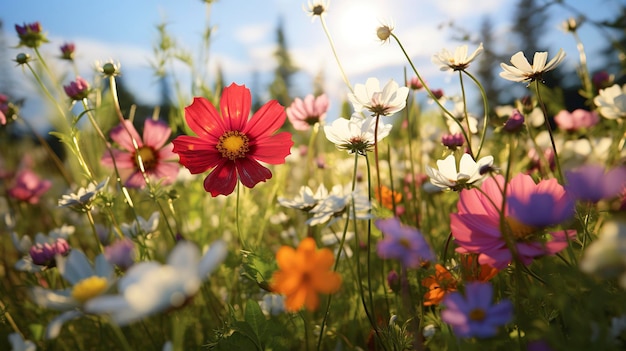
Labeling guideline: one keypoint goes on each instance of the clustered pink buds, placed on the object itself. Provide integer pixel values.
(452, 141)
(43, 254)
(78, 89)
(415, 84)
(30, 34)
(67, 51)
(576, 120)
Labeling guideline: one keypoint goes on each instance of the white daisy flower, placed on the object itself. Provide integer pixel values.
(151, 287)
(335, 206)
(86, 282)
(356, 134)
(141, 226)
(455, 62)
(611, 102)
(382, 102)
(447, 176)
(306, 199)
(522, 71)
(81, 200)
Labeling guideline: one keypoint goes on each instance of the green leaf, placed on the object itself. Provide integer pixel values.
(255, 317)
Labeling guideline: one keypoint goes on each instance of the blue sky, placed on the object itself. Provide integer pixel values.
(244, 37)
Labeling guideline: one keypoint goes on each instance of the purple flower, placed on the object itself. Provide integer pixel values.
(452, 141)
(121, 253)
(30, 34)
(514, 123)
(78, 89)
(474, 314)
(29, 187)
(593, 183)
(43, 254)
(403, 243)
(67, 51)
(548, 203)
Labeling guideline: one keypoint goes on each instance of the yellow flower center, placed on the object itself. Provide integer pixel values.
(405, 243)
(520, 230)
(233, 145)
(89, 288)
(477, 314)
(148, 157)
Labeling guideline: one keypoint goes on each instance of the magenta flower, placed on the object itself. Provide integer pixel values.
(474, 315)
(67, 51)
(453, 141)
(30, 34)
(403, 243)
(29, 187)
(44, 254)
(530, 208)
(594, 183)
(514, 123)
(304, 113)
(78, 89)
(158, 160)
(576, 120)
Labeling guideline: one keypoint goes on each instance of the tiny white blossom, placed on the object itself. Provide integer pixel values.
(522, 71)
(336, 204)
(447, 176)
(457, 61)
(382, 102)
(83, 196)
(306, 199)
(606, 256)
(141, 226)
(611, 102)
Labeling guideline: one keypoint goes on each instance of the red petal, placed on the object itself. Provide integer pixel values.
(196, 154)
(274, 149)
(222, 180)
(203, 119)
(235, 106)
(251, 172)
(268, 119)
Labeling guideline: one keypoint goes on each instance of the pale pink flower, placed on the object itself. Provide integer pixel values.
(304, 113)
(159, 162)
(577, 119)
(29, 187)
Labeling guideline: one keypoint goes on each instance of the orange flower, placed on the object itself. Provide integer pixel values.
(472, 271)
(303, 273)
(438, 285)
(388, 197)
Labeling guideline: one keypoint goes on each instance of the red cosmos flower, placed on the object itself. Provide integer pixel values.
(230, 143)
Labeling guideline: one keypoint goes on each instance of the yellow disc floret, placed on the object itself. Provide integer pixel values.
(233, 145)
(89, 288)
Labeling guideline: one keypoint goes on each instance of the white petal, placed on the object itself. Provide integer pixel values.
(214, 257)
(75, 267)
(184, 256)
(520, 61)
(54, 328)
(539, 61)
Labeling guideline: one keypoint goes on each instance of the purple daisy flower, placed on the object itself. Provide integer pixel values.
(474, 314)
(593, 183)
(402, 243)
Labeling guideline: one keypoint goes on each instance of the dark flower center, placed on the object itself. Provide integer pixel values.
(477, 314)
(233, 145)
(147, 156)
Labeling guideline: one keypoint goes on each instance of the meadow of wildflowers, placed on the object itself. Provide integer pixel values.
(400, 226)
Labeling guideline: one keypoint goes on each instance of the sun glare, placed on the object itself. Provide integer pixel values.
(356, 24)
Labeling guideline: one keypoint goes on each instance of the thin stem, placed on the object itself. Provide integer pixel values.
(549, 129)
(483, 94)
(469, 130)
(332, 46)
(376, 162)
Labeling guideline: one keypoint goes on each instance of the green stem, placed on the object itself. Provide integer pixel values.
(465, 114)
(332, 46)
(483, 93)
(549, 129)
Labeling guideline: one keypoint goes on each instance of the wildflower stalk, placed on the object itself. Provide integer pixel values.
(584, 70)
(311, 146)
(74, 139)
(57, 161)
(483, 94)
(466, 116)
(121, 337)
(376, 163)
(549, 129)
(409, 129)
(9, 318)
(430, 93)
(332, 47)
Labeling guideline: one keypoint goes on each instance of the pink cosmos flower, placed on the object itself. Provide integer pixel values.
(578, 119)
(29, 187)
(304, 113)
(530, 209)
(157, 157)
(78, 89)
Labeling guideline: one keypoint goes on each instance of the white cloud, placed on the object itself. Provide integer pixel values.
(252, 34)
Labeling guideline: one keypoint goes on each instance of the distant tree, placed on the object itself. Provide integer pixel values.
(529, 26)
(281, 86)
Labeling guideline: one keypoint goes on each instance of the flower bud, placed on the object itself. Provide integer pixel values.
(515, 122)
(22, 58)
(384, 32)
(78, 89)
(452, 141)
(30, 35)
(67, 51)
(110, 69)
